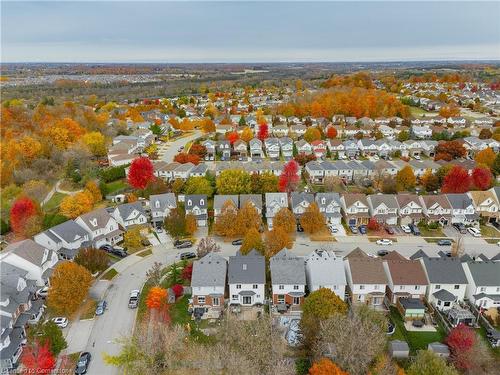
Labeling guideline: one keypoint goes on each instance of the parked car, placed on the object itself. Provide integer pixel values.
(187, 255)
(406, 229)
(184, 245)
(414, 229)
(391, 328)
(474, 232)
(460, 228)
(83, 363)
(106, 247)
(353, 229)
(299, 228)
(61, 321)
(333, 229)
(237, 242)
(384, 242)
(382, 253)
(119, 252)
(101, 307)
(362, 229)
(389, 230)
(444, 243)
(133, 299)
(416, 157)
(42, 293)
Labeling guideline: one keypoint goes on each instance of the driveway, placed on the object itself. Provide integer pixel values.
(167, 154)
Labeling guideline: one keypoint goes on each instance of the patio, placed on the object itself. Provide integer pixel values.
(246, 312)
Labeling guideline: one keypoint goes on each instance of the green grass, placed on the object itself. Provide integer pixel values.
(110, 274)
(116, 186)
(426, 232)
(494, 351)
(54, 202)
(416, 340)
(145, 253)
(418, 112)
(492, 241)
(179, 315)
(489, 231)
(51, 220)
(88, 311)
(436, 239)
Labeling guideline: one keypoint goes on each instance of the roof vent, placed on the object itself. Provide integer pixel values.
(244, 267)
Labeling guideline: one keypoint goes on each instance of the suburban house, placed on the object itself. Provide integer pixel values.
(288, 280)
(256, 148)
(274, 203)
(384, 208)
(286, 145)
(197, 206)
(462, 209)
(66, 239)
(272, 148)
(247, 279)
(303, 147)
(300, 202)
(406, 278)
(366, 279)
(208, 286)
(240, 148)
(447, 281)
(355, 208)
(160, 206)
(102, 227)
(410, 209)
(325, 270)
(210, 146)
(220, 201)
(319, 148)
(224, 149)
(483, 287)
(436, 209)
(254, 199)
(486, 204)
(130, 214)
(329, 206)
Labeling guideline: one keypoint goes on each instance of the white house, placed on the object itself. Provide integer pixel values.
(325, 270)
(101, 226)
(274, 203)
(161, 205)
(247, 279)
(329, 206)
(483, 287)
(130, 214)
(66, 239)
(197, 205)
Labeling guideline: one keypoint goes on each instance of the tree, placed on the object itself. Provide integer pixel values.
(482, 178)
(303, 158)
(94, 190)
(48, 333)
(198, 149)
(207, 245)
(157, 298)
(75, 205)
(403, 135)
(132, 239)
(198, 185)
(442, 172)
(373, 224)
(326, 367)
(312, 220)
(37, 358)
(495, 167)
(429, 181)
(276, 240)
(69, 285)
(95, 142)
(36, 189)
(451, 110)
(405, 179)
(252, 240)
(94, 260)
(226, 224)
(233, 181)
(461, 340)
(263, 132)
(247, 134)
(155, 274)
(21, 211)
(141, 172)
(232, 136)
(178, 290)
(175, 222)
(184, 158)
(285, 219)
(312, 134)
(191, 224)
(456, 181)
(485, 157)
(289, 178)
(331, 132)
(428, 363)
(248, 217)
(266, 182)
(485, 134)
(242, 122)
(187, 272)
(449, 150)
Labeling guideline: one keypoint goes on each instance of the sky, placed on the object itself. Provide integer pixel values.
(237, 31)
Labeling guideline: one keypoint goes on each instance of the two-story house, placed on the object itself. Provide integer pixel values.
(130, 214)
(286, 145)
(240, 148)
(254, 199)
(208, 285)
(436, 209)
(288, 280)
(303, 147)
(224, 149)
(210, 147)
(197, 205)
(410, 209)
(486, 204)
(483, 287)
(272, 148)
(247, 279)
(274, 203)
(462, 209)
(355, 208)
(300, 203)
(325, 270)
(221, 200)
(66, 239)
(101, 226)
(405, 278)
(384, 208)
(256, 148)
(319, 148)
(329, 206)
(161, 205)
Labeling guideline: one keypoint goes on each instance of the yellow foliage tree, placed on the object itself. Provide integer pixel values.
(94, 190)
(247, 134)
(226, 223)
(248, 217)
(191, 224)
(132, 239)
(405, 179)
(486, 157)
(312, 220)
(76, 205)
(96, 143)
(276, 240)
(252, 240)
(285, 219)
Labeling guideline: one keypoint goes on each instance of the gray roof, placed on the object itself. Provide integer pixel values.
(444, 295)
(444, 271)
(164, 201)
(286, 268)
(209, 271)
(219, 201)
(101, 215)
(196, 199)
(298, 198)
(485, 273)
(438, 347)
(419, 254)
(399, 346)
(388, 199)
(411, 303)
(325, 269)
(459, 201)
(69, 231)
(247, 269)
(127, 209)
(28, 250)
(256, 199)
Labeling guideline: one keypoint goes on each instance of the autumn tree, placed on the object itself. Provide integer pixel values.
(155, 274)
(276, 240)
(266, 182)
(234, 181)
(187, 272)
(303, 158)
(198, 185)
(331, 132)
(289, 178)
(312, 220)
(157, 298)
(191, 224)
(185, 158)
(37, 358)
(456, 181)
(48, 333)
(451, 110)
(285, 219)
(429, 181)
(207, 245)
(94, 260)
(247, 134)
(232, 136)
(226, 224)
(94, 190)
(405, 179)
(326, 367)
(69, 285)
(23, 213)
(373, 224)
(312, 134)
(36, 189)
(428, 363)
(252, 240)
(198, 149)
(175, 222)
(95, 142)
(486, 157)
(76, 205)
(460, 340)
(482, 178)
(248, 217)
(449, 150)
(263, 132)
(495, 167)
(141, 172)
(485, 134)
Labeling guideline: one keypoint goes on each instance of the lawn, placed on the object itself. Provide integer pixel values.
(54, 202)
(489, 231)
(110, 274)
(145, 253)
(416, 340)
(426, 232)
(436, 239)
(418, 112)
(116, 186)
(492, 241)
(494, 351)
(88, 309)
(179, 315)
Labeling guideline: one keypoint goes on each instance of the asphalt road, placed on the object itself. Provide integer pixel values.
(173, 147)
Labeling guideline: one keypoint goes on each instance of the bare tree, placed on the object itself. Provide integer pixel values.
(154, 274)
(457, 248)
(207, 245)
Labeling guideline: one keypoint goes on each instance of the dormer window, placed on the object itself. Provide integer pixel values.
(323, 200)
(93, 222)
(157, 204)
(244, 267)
(190, 203)
(202, 202)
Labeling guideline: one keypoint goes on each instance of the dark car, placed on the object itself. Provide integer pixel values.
(299, 228)
(391, 328)
(184, 245)
(119, 252)
(145, 242)
(188, 255)
(362, 229)
(382, 253)
(444, 243)
(83, 363)
(107, 248)
(389, 230)
(414, 229)
(101, 307)
(460, 228)
(237, 242)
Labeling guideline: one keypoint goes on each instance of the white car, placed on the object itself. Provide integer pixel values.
(475, 232)
(44, 292)
(416, 157)
(384, 242)
(61, 321)
(498, 243)
(333, 229)
(406, 228)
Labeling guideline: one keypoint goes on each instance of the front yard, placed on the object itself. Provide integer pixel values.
(490, 231)
(427, 232)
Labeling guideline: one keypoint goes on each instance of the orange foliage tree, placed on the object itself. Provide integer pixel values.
(326, 367)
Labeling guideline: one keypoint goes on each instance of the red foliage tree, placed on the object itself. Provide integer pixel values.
(457, 180)
(141, 173)
(373, 224)
(481, 178)
(184, 158)
(38, 359)
(198, 149)
(232, 137)
(331, 132)
(187, 272)
(289, 178)
(178, 290)
(21, 211)
(460, 340)
(263, 132)
(449, 150)
(303, 158)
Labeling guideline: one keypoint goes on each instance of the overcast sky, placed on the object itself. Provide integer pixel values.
(139, 31)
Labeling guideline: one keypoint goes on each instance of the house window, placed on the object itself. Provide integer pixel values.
(438, 286)
(439, 303)
(457, 286)
(254, 286)
(201, 299)
(215, 301)
(417, 287)
(238, 286)
(401, 287)
(335, 287)
(482, 289)
(190, 203)
(234, 297)
(446, 304)
(281, 298)
(375, 287)
(295, 287)
(296, 300)
(281, 287)
(361, 287)
(202, 202)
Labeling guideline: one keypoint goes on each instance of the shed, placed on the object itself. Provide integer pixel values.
(439, 349)
(399, 349)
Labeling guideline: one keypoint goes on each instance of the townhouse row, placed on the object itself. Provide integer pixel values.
(362, 279)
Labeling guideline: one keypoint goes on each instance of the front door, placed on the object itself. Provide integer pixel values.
(247, 300)
(296, 300)
(215, 301)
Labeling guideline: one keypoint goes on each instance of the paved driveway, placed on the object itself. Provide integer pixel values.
(169, 152)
